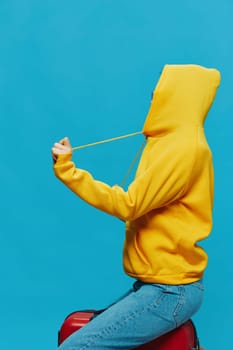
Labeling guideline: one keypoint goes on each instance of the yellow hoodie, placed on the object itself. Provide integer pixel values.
(168, 207)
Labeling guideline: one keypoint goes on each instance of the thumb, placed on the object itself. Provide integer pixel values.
(66, 142)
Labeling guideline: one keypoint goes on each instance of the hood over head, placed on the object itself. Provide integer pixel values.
(182, 96)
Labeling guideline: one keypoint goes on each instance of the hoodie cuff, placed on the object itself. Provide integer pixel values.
(63, 158)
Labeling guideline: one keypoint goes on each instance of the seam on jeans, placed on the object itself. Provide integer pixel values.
(198, 285)
(179, 304)
(119, 324)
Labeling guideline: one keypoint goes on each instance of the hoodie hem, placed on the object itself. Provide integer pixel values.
(168, 279)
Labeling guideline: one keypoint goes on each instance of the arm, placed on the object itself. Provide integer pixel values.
(162, 183)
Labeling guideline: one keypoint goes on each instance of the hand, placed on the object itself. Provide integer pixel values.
(61, 147)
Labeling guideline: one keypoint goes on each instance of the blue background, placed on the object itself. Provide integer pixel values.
(86, 69)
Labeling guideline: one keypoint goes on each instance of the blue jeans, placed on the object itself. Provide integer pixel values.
(144, 313)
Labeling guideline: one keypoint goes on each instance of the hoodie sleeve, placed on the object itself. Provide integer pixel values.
(160, 184)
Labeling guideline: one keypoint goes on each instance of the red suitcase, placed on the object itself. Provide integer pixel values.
(182, 338)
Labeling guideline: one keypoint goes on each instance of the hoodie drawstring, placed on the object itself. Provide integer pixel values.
(123, 182)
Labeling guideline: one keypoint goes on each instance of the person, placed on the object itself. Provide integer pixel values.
(167, 211)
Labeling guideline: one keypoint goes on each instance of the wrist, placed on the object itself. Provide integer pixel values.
(63, 158)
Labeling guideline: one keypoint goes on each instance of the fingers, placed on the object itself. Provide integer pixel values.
(61, 147)
(62, 141)
(65, 141)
